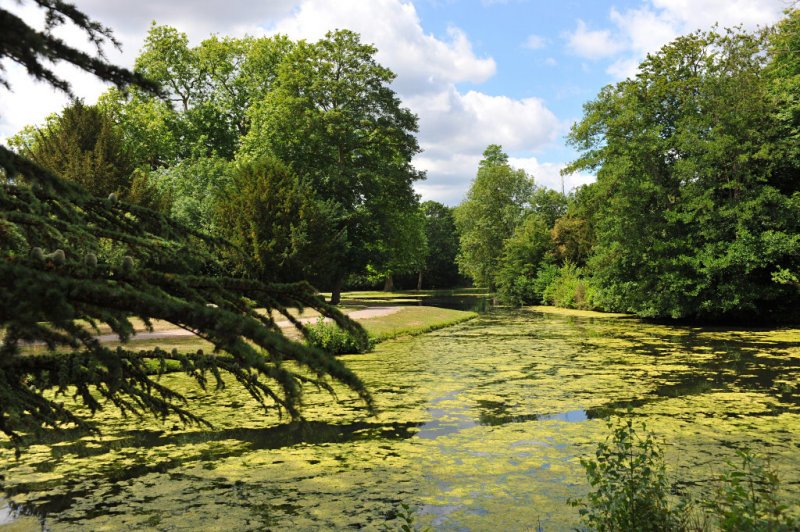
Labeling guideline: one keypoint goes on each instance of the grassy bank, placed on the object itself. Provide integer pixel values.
(410, 321)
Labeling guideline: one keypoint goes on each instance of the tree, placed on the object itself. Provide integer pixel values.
(53, 289)
(695, 217)
(334, 118)
(495, 203)
(523, 255)
(84, 146)
(441, 270)
(402, 251)
(207, 92)
(275, 218)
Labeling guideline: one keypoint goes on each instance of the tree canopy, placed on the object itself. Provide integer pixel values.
(492, 209)
(696, 209)
(334, 118)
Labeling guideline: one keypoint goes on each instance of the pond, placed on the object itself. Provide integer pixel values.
(481, 426)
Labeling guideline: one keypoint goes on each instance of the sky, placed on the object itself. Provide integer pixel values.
(476, 72)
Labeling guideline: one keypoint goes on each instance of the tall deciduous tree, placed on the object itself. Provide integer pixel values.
(494, 206)
(693, 218)
(334, 118)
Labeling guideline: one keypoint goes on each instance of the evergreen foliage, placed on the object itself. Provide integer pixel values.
(58, 284)
(56, 291)
(286, 233)
(36, 50)
(84, 146)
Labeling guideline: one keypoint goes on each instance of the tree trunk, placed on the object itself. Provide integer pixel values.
(419, 281)
(336, 293)
(388, 284)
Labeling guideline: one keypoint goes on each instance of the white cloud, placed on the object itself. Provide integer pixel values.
(549, 174)
(455, 127)
(637, 32)
(592, 44)
(694, 14)
(535, 42)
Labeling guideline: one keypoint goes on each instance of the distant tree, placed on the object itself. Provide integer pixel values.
(333, 116)
(54, 290)
(401, 251)
(573, 233)
(440, 269)
(524, 253)
(549, 204)
(494, 206)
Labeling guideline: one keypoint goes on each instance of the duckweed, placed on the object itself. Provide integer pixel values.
(480, 426)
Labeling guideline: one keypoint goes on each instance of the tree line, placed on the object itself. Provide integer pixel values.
(696, 209)
(297, 153)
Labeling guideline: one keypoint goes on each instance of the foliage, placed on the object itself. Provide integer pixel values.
(523, 255)
(333, 116)
(441, 270)
(37, 50)
(569, 288)
(489, 214)
(195, 187)
(406, 516)
(696, 208)
(332, 339)
(286, 233)
(83, 145)
(55, 290)
(631, 491)
(747, 497)
(549, 204)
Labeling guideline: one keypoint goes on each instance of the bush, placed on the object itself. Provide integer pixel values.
(630, 485)
(570, 288)
(331, 338)
(747, 498)
(631, 491)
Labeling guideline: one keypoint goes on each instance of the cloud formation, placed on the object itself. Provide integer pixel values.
(639, 31)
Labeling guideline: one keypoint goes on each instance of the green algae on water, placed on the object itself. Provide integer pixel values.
(480, 426)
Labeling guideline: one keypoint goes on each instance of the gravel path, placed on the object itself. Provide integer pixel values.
(371, 312)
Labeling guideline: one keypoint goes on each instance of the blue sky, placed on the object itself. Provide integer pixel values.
(476, 72)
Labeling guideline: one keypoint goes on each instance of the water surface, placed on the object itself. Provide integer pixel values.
(481, 426)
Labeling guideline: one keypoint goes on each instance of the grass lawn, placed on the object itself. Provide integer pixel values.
(412, 321)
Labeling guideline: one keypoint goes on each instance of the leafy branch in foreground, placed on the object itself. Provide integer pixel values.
(70, 262)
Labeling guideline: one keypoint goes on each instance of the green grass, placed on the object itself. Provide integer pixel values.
(411, 321)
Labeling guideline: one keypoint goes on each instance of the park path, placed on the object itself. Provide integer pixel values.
(371, 312)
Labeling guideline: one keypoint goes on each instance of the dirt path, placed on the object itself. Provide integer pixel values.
(364, 314)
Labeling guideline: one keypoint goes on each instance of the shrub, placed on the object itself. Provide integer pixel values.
(631, 491)
(335, 340)
(747, 498)
(630, 485)
(570, 288)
